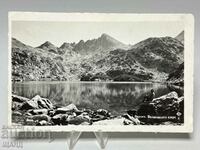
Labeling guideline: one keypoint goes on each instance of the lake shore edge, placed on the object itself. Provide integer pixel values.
(164, 110)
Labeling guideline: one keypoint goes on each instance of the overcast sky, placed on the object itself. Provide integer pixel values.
(35, 33)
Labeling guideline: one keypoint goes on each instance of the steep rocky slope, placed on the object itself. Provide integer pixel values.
(152, 59)
(163, 54)
(118, 65)
(66, 48)
(30, 63)
(177, 77)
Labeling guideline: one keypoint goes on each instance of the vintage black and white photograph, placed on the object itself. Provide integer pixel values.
(88, 70)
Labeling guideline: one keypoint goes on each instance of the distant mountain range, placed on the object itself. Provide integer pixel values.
(104, 58)
(104, 43)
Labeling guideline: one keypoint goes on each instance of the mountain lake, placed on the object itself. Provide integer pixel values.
(115, 97)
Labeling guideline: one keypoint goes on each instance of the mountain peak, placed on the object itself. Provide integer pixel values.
(105, 35)
(104, 43)
(65, 45)
(180, 37)
(105, 38)
(47, 45)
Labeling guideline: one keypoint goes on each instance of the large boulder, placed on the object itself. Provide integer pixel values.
(168, 107)
(29, 105)
(17, 101)
(16, 98)
(42, 102)
(37, 103)
(168, 98)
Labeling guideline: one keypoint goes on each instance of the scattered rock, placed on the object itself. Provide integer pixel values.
(29, 121)
(40, 118)
(36, 103)
(103, 112)
(60, 119)
(127, 122)
(29, 105)
(42, 102)
(43, 123)
(130, 120)
(28, 114)
(17, 113)
(51, 112)
(16, 105)
(38, 111)
(84, 117)
(68, 108)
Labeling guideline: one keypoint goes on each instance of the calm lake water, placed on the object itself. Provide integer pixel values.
(115, 97)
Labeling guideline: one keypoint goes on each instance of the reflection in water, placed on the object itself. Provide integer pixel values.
(115, 97)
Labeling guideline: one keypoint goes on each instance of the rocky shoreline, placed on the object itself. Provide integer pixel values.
(165, 110)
